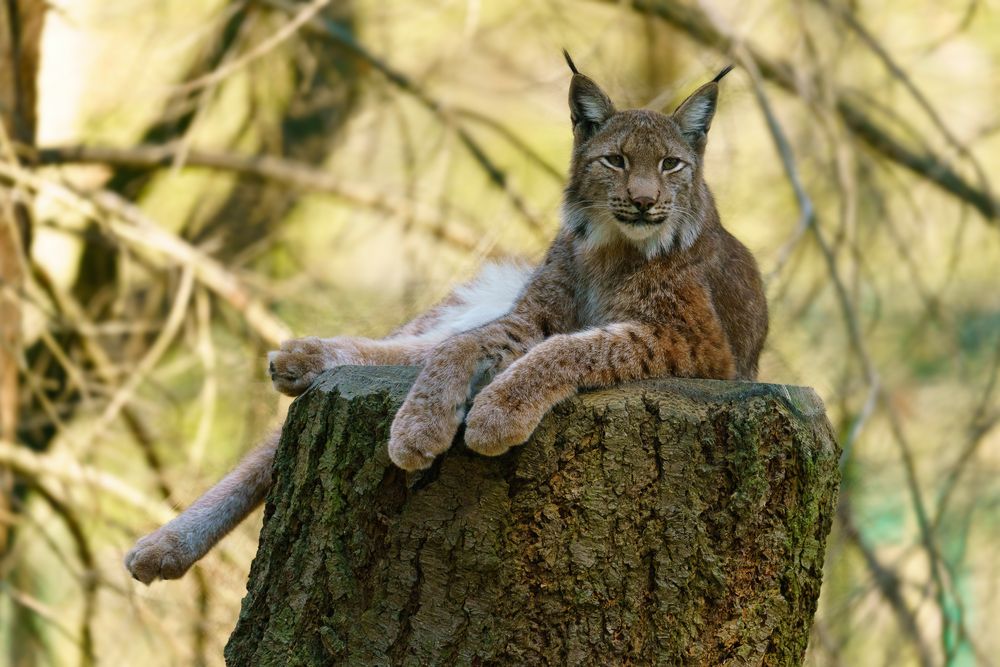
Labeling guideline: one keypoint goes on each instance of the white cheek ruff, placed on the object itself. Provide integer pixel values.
(600, 228)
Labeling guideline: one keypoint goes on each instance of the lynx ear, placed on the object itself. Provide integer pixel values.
(694, 115)
(589, 106)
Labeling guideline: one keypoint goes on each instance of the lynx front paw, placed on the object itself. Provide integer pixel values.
(297, 364)
(495, 425)
(417, 437)
(162, 554)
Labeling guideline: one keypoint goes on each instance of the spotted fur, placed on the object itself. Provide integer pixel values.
(641, 281)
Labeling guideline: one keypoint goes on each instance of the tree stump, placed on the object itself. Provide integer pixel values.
(674, 522)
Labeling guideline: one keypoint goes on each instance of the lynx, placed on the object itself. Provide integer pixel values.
(640, 282)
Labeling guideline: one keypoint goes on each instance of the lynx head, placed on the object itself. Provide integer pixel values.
(636, 175)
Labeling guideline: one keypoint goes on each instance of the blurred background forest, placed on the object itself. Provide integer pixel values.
(185, 184)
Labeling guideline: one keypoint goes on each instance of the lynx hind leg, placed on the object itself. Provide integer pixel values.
(490, 295)
(295, 366)
(171, 550)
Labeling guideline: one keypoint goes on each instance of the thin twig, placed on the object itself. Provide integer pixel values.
(210, 386)
(88, 578)
(496, 175)
(42, 610)
(65, 468)
(128, 223)
(514, 140)
(848, 17)
(927, 164)
(872, 377)
(984, 419)
(887, 583)
(277, 170)
(159, 347)
(280, 36)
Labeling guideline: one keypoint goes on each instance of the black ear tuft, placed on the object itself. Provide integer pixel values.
(718, 77)
(569, 61)
(694, 115)
(589, 106)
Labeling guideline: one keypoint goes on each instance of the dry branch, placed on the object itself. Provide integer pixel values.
(64, 468)
(921, 161)
(948, 601)
(276, 170)
(496, 175)
(20, 39)
(128, 223)
(286, 31)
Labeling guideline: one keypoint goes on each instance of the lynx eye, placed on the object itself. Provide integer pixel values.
(671, 164)
(613, 161)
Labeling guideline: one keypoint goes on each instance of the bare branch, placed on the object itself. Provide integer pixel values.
(922, 162)
(496, 175)
(514, 140)
(88, 578)
(278, 170)
(946, 599)
(150, 359)
(64, 468)
(287, 31)
(887, 583)
(131, 225)
(848, 17)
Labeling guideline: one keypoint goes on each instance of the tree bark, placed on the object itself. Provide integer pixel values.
(664, 522)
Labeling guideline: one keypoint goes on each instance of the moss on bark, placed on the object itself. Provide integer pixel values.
(674, 522)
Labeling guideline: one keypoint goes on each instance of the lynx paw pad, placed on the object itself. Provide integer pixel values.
(492, 429)
(416, 439)
(159, 555)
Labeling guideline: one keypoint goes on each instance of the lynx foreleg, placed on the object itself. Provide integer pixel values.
(170, 551)
(509, 409)
(300, 361)
(487, 297)
(427, 422)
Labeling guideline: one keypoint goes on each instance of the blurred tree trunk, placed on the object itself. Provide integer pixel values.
(303, 126)
(668, 522)
(20, 32)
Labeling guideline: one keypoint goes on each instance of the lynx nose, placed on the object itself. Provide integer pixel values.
(643, 203)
